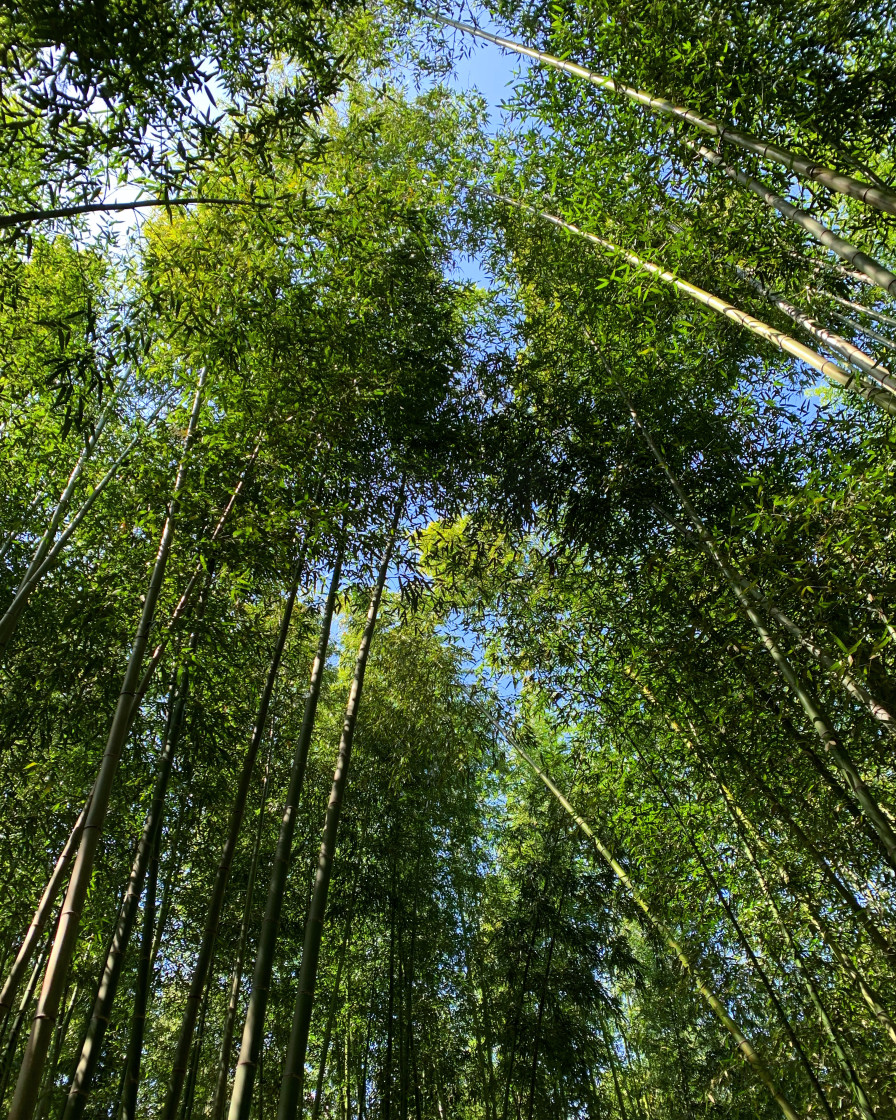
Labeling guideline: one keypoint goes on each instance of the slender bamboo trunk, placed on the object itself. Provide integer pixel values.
(34, 1060)
(102, 1008)
(538, 1020)
(236, 981)
(45, 542)
(782, 341)
(173, 871)
(853, 354)
(483, 1033)
(852, 1078)
(844, 249)
(387, 1095)
(134, 1057)
(875, 336)
(511, 1060)
(829, 739)
(253, 1030)
(41, 915)
(328, 1030)
(46, 1097)
(185, 600)
(783, 1017)
(189, 1098)
(878, 316)
(779, 808)
(718, 1008)
(294, 1065)
(222, 875)
(15, 1031)
(878, 197)
(364, 1063)
(47, 560)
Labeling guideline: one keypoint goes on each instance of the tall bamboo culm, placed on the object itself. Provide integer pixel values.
(292, 1084)
(253, 1030)
(34, 1060)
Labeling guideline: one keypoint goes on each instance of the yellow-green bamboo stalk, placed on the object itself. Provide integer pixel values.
(844, 249)
(749, 322)
(879, 316)
(878, 197)
(853, 354)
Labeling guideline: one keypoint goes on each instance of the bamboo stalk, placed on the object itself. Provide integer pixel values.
(742, 1042)
(253, 1029)
(33, 1063)
(853, 354)
(743, 319)
(181, 1062)
(291, 1087)
(878, 197)
(844, 249)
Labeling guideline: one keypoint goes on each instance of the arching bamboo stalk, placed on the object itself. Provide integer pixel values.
(878, 197)
(777, 338)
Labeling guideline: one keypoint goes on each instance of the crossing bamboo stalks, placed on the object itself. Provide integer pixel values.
(878, 197)
(820, 723)
(749, 322)
(692, 743)
(41, 916)
(851, 685)
(15, 1030)
(291, 1087)
(742, 937)
(31, 1071)
(181, 1063)
(844, 249)
(742, 1042)
(43, 545)
(830, 1030)
(776, 803)
(853, 354)
(253, 1030)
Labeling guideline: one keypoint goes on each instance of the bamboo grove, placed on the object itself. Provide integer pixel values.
(447, 555)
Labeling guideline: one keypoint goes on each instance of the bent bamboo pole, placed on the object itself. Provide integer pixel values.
(878, 197)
